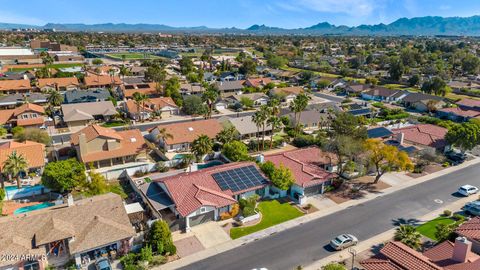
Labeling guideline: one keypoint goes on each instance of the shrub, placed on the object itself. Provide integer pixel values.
(129, 261)
(445, 164)
(146, 253)
(139, 173)
(304, 140)
(248, 211)
(225, 216)
(458, 217)
(267, 168)
(171, 249)
(160, 166)
(2, 194)
(158, 260)
(235, 210)
(447, 213)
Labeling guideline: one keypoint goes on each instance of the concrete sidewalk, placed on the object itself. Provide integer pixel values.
(298, 221)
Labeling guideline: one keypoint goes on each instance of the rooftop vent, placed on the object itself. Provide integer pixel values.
(133, 139)
(190, 129)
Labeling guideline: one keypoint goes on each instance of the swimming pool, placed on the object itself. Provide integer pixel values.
(178, 156)
(209, 164)
(33, 208)
(13, 193)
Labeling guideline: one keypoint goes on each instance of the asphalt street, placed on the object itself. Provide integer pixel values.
(306, 243)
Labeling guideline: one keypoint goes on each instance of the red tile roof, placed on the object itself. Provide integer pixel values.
(470, 229)
(460, 112)
(467, 102)
(442, 254)
(36, 121)
(7, 85)
(34, 152)
(379, 264)
(151, 105)
(305, 165)
(29, 107)
(59, 82)
(190, 191)
(402, 256)
(5, 115)
(143, 88)
(424, 134)
(100, 80)
(257, 82)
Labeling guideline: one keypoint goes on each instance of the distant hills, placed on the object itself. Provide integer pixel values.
(420, 26)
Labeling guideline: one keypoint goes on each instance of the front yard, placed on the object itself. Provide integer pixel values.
(428, 229)
(273, 213)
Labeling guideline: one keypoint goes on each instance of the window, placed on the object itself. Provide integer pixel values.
(203, 210)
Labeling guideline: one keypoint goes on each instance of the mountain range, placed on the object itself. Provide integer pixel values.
(419, 26)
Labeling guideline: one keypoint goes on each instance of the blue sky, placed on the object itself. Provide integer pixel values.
(229, 13)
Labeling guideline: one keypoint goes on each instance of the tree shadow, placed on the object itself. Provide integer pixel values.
(404, 221)
(375, 249)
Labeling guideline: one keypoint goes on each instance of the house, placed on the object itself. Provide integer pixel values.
(149, 89)
(444, 256)
(471, 230)
(355, 88)
(310, 120)
(230, 76)
(423, 102)
(163, 107)
(312, 170)
(379, 133)
(27, 115)
(258, 99)
(13, 100)
(379, 94)
(287, 94)
(185, 133)
(81, 114)
(457, 114)
(8, 87)
(33, 152)
(337, 84)
(247, 128)
(257, 82)
(469, 104)
(106, 147)
(101, 81)
(203, 195)
(138, 71)
(225, 87)
(191, 89)
(73, 231)
(83, 96)
(58, 84)
(423, 135)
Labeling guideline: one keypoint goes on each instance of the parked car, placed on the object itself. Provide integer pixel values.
(472, 208)
(103, 264)
(456, 157)
(467, 190)
(343, 241)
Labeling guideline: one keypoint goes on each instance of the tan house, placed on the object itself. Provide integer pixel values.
(27, 115)
(185, 133)
(33, 152)
(59, 84)
(107, 147)
(15, 86)
(100, 81)
(287, 94)
(76, 230)
(82, 114)
(163, 107)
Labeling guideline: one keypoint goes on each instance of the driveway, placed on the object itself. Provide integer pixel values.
(306, 243)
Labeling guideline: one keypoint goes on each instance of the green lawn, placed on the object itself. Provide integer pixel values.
(273, 213)
(428, 229)
(114, 124)
(57, 66)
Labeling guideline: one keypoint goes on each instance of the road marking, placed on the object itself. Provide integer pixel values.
(438, 201)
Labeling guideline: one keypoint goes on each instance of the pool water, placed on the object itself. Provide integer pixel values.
(178, 156)
(33, 208)
(12, 188)
(210, 164)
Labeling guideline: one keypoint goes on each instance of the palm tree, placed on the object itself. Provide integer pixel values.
(297, 106)
(257, 119)
(202, 146)
(163, 134)
(274, 122)
(140, 100)
(228, 134)
(408, 235)
(264, 115)
(14, 164)
(124, 71)
(210, 96)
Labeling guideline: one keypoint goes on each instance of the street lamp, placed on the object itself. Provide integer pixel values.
(353, 252)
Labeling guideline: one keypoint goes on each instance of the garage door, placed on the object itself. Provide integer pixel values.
(309, 191)
(220, 107)
(202, 218)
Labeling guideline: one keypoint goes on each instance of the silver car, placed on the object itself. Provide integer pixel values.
(343, 241)
(472, 208)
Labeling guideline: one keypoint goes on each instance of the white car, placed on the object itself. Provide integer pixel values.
(343, 241)
(467, 190)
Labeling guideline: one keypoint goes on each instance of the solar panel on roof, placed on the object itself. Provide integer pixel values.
(239, 179)
(379, 132)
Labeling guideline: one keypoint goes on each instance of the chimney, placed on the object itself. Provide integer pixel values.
(461, 249)
(70, 201)
(400, 137)
(25, 77)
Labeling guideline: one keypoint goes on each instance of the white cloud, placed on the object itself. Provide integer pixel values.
(444, 7)
(350, 7)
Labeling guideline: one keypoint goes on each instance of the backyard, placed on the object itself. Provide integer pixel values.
(273, 213)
